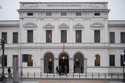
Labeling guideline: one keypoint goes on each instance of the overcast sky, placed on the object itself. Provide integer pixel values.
(8, 8)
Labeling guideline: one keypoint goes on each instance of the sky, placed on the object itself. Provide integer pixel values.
(8, 8)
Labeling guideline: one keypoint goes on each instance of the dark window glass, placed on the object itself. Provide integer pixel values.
(97, 60)
(15, 37)
(97, 14)
(48, 13)
(48, 36)
(29, 14)
(97, 36)
(63, 36)
(30, 36)
(78, 13)
(121, 60)
(4, 60)
(4, 36)
(122, 37)
(112, 60)
(28, 59)
(78, 36)
(63, 13)
(112, 37)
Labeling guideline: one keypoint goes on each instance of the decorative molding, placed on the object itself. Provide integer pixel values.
(97, 25)
(63, 25)
(48, 25)
(78, 26)
(30, 25)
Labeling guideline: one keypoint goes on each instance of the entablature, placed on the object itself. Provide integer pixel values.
(63, 5)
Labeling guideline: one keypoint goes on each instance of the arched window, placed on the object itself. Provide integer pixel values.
(48, 63)
(78, 63)
(97, 60)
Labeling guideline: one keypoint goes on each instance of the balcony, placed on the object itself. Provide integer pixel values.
(66, 45)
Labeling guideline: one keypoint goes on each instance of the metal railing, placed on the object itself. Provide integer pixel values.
(91, 76)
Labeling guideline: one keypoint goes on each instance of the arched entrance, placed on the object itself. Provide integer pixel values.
(48, 63)
(78, 63)
(63, 63)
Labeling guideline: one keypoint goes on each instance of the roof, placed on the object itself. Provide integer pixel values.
(116, 23)
(9, 23)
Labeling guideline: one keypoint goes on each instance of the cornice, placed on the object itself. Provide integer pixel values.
(61, 9)
(63, 2)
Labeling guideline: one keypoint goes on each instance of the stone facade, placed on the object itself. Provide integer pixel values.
(87, 22)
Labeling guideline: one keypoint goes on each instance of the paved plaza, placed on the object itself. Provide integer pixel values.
(71, 81)
(65, 81)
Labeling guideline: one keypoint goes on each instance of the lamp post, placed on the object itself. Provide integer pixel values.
(3, 63)
(124, 66)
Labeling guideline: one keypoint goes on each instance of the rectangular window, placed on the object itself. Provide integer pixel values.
(78, 13)
(30, 36)
(78, 36)
(63, 13)
(15, 37)
(112, 60)
(30, 14)
(28, 59)
(122, 37)
(48, 13)
(4, 60)
(48, 36)
(4, 36)
(97, 36)
(63, 36)
(112, 37)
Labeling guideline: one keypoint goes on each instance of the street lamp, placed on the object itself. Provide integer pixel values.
(124, 66)
(3, 63)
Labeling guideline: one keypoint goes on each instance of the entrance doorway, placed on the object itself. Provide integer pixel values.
(48, 63)
(63, 63)
(78, 63)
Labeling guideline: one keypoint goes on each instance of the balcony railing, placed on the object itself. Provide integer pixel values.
(66, 45)
(91, 76)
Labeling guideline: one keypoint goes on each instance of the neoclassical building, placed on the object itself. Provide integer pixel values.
(64, 38)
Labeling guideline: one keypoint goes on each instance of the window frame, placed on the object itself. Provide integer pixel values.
(112, 35)
(97, 35)
(30, 36)
(112, 60)
(48, 40)
(63, 39)
(15, 37)
(78, 33)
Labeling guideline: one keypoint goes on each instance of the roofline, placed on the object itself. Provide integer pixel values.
(8, 20)
(64, 2)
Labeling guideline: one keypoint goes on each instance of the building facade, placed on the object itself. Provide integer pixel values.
(64, 38)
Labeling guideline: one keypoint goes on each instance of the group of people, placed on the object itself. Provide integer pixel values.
(62, 69)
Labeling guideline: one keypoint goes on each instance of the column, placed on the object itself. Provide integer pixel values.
(71, 65)
(55, 64)
(85, 65)
(42, 66)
